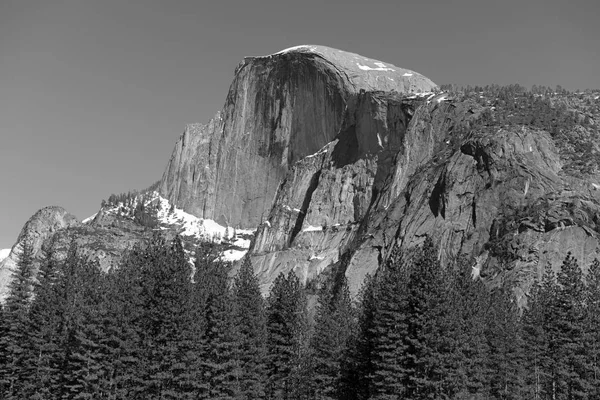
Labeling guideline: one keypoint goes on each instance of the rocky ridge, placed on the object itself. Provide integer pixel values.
(106, 236)
(332, 161)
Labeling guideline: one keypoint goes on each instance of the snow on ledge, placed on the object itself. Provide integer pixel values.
(233, 255)
(380, 67)
(89, 219)
(4, 253)
(311, 228)
(301, 47)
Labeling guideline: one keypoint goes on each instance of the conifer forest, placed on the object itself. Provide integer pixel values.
(157, 328)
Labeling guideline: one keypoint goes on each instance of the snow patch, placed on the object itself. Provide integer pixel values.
(421, 95)
(407, 74)
(380, 67)
(301, 47)
(4, 253)
(168, 216)
(311, 228)
(89, 219)
(323, 150)
(194, 226)
(233, 255)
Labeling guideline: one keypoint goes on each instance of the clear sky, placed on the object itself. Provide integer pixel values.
(94, 94)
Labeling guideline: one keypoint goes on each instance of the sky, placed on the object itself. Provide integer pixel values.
(94, 94)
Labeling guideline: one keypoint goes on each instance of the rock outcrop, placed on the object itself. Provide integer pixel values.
(337, 160)
(40, 227)
(280, 109)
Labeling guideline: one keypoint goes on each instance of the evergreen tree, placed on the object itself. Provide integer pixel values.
(387, 331)
(124, 331)
(164, 289)
(16, 346)
(569, 343)
(334, 326)
(88, 361)
(537, 333)
(285, 313)
(425, 342)
(217, 364)
(251, 324)
(44, 330)
(505, 358)
(592, 329)
(3, 356)
(360, 356)
(466, 350)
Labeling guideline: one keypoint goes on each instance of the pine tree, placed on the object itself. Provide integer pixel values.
(569, 350)
(285, 313)
(16, 344)
(44, 330)
(465, 303)
(537, 332)
(334, 327)
(125, 310)
(592, 329)
(165, 286)
(504, 338)
(217, 364)
(423, 360)
(387, 331)
(3, 355)
(360, 357)
(89, 356)
(251, 324)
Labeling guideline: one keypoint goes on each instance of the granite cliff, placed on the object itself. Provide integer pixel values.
(334, 160)
(280, 108)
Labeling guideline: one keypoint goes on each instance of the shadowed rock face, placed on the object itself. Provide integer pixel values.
(280, 108)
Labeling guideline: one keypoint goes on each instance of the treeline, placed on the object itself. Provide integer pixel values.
(135, 205)
(571, 118)
(540, 107)
(157, 329)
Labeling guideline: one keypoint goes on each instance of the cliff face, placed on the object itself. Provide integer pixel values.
(336, 160)
(280, 109)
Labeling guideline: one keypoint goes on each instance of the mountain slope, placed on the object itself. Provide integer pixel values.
(279, 109)
(332, 161)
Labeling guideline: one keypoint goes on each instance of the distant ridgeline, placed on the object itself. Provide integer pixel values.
(571, 118)
(138, 205)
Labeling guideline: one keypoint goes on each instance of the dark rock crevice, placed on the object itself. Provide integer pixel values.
(314, 183)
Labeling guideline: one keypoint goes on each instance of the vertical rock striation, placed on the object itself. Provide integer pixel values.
(280, 109)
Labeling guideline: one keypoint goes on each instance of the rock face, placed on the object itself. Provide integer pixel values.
(41, 226)
(337, 160)
(280, 109)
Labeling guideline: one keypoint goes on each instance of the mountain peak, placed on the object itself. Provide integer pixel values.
(363, 73)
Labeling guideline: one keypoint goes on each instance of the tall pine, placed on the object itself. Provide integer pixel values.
(285, 327)
(250, 320)
(17, 366)
(334, 327)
